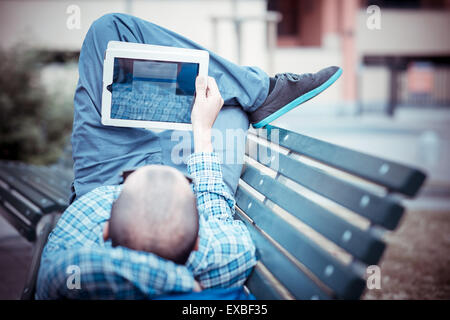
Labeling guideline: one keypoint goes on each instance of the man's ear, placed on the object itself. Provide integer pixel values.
(106, 231)
(196, 244)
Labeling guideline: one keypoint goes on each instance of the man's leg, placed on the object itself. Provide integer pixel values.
(101, 152)
(229, 138)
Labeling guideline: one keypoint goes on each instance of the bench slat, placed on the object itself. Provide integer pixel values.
(61, 180)
(380, 210)
(282, 268)
(349, 237)
(24, 229)
(394, 176)
(341, 279)
(261, 287)
(41, 201)
(44, 183)
(28, 212)
(57, 181)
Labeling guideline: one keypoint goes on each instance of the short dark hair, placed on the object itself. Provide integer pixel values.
(159, 217)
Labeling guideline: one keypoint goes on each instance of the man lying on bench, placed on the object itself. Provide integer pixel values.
(157, 241)
(153, 235)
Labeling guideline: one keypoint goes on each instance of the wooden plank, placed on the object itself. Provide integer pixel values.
(30, 282)
(284, 270)
(28, 211)
(27, 231)
(380, 210)
(44, 203)
(359, 243)
(45, 184)
(261, 287)
(63, 179)
(57, 182)
(341, 279)
(394, 176)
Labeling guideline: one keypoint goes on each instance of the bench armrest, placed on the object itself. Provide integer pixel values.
(45, 226)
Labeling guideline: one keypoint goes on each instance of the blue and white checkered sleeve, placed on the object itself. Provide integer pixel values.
(226, 243)
(109, 273)
(213, 199)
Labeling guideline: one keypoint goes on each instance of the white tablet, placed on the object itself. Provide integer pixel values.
(148, 86)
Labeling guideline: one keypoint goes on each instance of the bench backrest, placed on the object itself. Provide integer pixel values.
(317, 213)
(28, 192)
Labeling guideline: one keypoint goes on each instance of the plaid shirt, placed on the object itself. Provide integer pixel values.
(225, 256)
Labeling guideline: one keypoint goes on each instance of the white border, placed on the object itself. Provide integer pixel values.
(117, 49)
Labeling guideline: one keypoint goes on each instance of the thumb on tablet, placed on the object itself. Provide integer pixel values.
(200, 87)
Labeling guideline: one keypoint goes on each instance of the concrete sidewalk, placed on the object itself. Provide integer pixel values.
(15, 259)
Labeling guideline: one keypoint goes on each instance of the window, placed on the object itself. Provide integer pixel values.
(301, 22)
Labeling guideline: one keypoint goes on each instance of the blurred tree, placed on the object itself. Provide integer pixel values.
(34, 125)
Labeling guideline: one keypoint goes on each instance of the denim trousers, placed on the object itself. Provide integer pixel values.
(101, 153)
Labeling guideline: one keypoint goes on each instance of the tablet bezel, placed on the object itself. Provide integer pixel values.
(117, 49)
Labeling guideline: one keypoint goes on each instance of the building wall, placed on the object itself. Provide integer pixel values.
(42, 23)
(345, 37)
(405, 32)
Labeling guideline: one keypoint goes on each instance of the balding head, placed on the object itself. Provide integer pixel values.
(156, 212)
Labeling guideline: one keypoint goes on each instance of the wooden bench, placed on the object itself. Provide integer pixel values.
(316, 211)
(29, 192)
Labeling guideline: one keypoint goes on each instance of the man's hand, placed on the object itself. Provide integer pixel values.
(208, 103)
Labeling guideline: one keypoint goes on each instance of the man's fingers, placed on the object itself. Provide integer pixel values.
(213, 88)
(200, 87)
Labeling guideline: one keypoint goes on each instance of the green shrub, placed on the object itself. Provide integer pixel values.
(35, 124)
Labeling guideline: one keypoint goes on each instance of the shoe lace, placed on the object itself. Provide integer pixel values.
(294, 76)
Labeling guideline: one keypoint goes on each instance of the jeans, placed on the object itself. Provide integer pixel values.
(101, 152)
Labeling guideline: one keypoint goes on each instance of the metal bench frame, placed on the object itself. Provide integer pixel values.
(317, 212)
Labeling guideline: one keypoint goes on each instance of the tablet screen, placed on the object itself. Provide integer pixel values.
(153, 90)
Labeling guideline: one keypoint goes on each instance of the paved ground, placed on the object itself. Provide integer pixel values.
(416, 263)
(15, 257)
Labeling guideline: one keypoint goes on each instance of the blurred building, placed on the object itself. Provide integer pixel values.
(401, 59)
(398, 56)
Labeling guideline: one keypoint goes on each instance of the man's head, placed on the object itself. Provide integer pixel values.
(155, 212)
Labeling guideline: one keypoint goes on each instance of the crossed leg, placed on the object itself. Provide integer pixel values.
(101, 152)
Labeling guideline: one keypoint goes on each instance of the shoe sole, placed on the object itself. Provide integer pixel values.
(298, 101)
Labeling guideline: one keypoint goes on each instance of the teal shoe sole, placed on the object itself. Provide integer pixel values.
(295, 103)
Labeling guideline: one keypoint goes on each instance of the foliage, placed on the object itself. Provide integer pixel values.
(34, 124)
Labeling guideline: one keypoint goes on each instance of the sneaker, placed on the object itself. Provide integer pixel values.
(291, 90)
